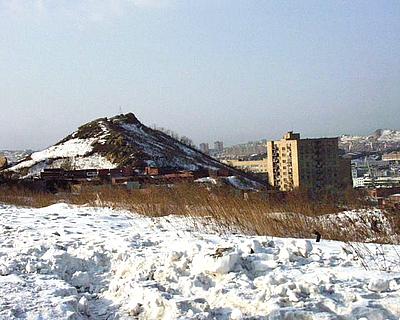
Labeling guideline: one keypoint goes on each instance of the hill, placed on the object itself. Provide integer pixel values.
(381, 140)
(115, 142)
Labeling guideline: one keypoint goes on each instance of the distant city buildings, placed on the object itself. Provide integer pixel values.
(246, 150)
(370, 171)
(306, 163)
(318, 164)
(216, 152)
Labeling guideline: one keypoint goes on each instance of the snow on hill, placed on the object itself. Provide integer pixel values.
(71, 151)
(71, 262)
(116, 142)
(388, 135)
(380, 140)
(379, 135)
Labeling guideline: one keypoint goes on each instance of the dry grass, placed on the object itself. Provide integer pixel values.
(294, 215)
(25, 197)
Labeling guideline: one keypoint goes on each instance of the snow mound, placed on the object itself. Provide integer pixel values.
(71, 262)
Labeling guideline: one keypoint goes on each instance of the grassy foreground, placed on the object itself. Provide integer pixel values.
(293, 215)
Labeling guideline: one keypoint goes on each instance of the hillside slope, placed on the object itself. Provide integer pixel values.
(117, 142)
(380, 140)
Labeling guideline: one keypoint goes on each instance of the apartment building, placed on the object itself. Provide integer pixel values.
(204, 148)
(219, 146)
(306, 163)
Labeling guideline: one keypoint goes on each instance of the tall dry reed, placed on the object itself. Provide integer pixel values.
(295, 214)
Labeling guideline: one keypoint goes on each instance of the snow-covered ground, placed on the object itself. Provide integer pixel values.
(70, 262)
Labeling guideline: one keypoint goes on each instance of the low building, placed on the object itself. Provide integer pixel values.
(392, 156)
(358, 182)
(256, 166)
(379, 182)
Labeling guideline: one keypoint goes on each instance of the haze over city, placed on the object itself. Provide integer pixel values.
(211, 70)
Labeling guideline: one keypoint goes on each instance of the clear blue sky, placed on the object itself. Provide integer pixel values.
(212, 70)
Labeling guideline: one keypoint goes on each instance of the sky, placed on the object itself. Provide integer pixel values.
(235, 70)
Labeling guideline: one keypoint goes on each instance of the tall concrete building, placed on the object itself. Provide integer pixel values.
(219, 146)
(306, 163)
(204, 148)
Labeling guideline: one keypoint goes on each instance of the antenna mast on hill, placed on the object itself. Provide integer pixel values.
(120, 109)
